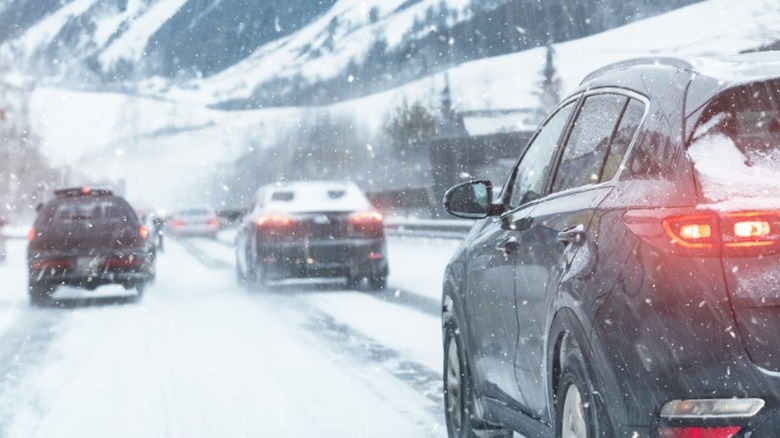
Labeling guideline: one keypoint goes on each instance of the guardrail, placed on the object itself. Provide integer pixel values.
(440, 228)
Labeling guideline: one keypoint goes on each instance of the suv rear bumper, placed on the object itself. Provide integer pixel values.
(71, 270)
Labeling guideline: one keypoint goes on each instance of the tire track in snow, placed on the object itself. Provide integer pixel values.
(393, 295)
(347, 340)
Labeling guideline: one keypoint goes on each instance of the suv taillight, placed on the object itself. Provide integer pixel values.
(707, 233)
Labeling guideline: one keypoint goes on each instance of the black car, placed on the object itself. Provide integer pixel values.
(88, 238)
(312, 229)
(626, 282)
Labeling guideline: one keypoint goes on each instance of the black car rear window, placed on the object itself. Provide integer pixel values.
(283, 196)
(86, 209)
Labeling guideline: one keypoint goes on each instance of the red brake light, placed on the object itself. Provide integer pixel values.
(51, 264)
(695, 231)
(31, 234)
(274, 221)
(699, 432)
(143, 232)
(707, 233)
(366, 217)
(751, 229)
(123, 262)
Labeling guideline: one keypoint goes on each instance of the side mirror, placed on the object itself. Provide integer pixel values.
(470, 200)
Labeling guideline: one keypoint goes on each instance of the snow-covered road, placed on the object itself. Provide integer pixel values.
(201, 356)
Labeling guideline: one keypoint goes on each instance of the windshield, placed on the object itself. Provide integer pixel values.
(280, 170)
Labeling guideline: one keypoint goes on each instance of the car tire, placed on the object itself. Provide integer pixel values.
(459, 403)
(241, 277)
(578, 414)
(377, 283)
(40, 293)
(140, 288)
(258, 277)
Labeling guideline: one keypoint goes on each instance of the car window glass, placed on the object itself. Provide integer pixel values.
(632, 117)
(283, 196)
(735, 147)
(533, 169)
(588, 143)
(87, 210)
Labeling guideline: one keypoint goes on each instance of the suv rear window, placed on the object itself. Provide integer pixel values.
(86, 209)
(736, 145)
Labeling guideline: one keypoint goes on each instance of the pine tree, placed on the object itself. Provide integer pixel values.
(550, 87)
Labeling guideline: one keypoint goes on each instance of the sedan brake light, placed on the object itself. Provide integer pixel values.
(274, 221)
(366, 217)
(143, 232)
(707, 233)
(368, 224)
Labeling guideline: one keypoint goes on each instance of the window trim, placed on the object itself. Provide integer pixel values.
(578, 99)
(559, 154)
(508, 187)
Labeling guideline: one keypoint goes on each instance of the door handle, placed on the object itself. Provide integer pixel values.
(508, 245)
(575, 235)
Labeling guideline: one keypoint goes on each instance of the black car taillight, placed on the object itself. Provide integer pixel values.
(124, 262)
(707, 233)
(57, 264)
(368, 223)
(275, 225)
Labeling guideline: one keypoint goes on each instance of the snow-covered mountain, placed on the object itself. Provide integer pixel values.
(172, 145)
(253, 53)
(112, 42)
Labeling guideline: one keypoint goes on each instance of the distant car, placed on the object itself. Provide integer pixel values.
(312, 229)
(626, 281)
(194, 222)
(155, 223)
(88, 238)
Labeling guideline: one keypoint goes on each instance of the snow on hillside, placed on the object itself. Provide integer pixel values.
(116, 139)
(131, 45)
(307, 53)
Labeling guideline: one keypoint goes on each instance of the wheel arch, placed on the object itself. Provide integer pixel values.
(567, 330)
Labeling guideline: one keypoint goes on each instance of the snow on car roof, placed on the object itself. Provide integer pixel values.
(302, 196)
(739, 68)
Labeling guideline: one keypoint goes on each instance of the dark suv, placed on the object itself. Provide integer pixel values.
(88, 238)
(626, 281)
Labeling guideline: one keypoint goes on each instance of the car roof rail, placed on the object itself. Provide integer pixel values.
(72, 192)
(668, 61)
